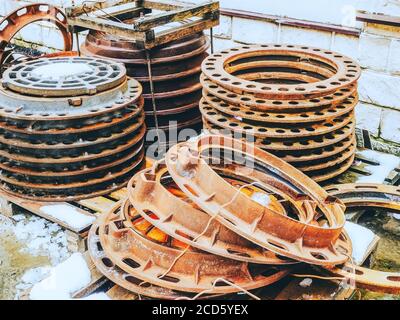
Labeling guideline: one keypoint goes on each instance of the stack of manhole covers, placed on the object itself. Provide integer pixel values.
(70, 128)
(179, 229)
(296, 102)
(175, 71)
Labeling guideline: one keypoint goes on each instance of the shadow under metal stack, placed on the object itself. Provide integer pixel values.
(296, 102)
(70, 128)
(175, 71)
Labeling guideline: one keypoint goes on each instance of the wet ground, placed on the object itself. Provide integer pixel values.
(386, 256)
(25, 244)
(14, 263)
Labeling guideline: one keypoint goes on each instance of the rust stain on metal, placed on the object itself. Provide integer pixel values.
(157, 199)
(152, 256)
(306, 241)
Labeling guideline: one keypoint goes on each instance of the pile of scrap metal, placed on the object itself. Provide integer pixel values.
(163, 51)
(175, 70)
(73, 127)
(296, 102)
(167, 64)
(70, 128)
(219, 216)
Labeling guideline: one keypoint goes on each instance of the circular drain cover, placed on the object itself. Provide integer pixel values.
(64, 76)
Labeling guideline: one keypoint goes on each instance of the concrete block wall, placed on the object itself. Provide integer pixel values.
(376, 48)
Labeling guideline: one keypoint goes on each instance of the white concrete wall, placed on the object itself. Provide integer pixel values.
(377, 49)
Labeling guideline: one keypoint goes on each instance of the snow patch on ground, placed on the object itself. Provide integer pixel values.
(261, 198)
(38, 237)
(305, 283)
(31, 277)
(396, 216)
(361, 238)
(35, 275)
(387, 162)
(66, 278)
(41, 237)
(68, 214)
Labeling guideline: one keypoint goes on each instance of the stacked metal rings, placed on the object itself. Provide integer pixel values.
(179, 232)
(70, 128)
(174, 70)
(296, 102)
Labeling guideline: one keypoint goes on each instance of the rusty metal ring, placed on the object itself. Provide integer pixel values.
(316, 154)
(195, 271)
(175, 111)
(176, 217)
(180, 125)
(123, 139)
(307, 143)
(32, 155)
(12, 155)
(276, 130)
(9, 139)
(174, 93)
(277, 116)
(296, 239)
(328, 162)
(163, 54)
(18, 19)
(132, 114)
(123, 279)
(345, 70)
(44, 109)
(376, 196)
(18, 169)
(367, 194)
(176, 76)
(86, 193)
(251, 102)
(329, 173)
(317, 175)
(112, 173)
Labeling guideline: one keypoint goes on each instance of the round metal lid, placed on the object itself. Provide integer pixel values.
(64, 76)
